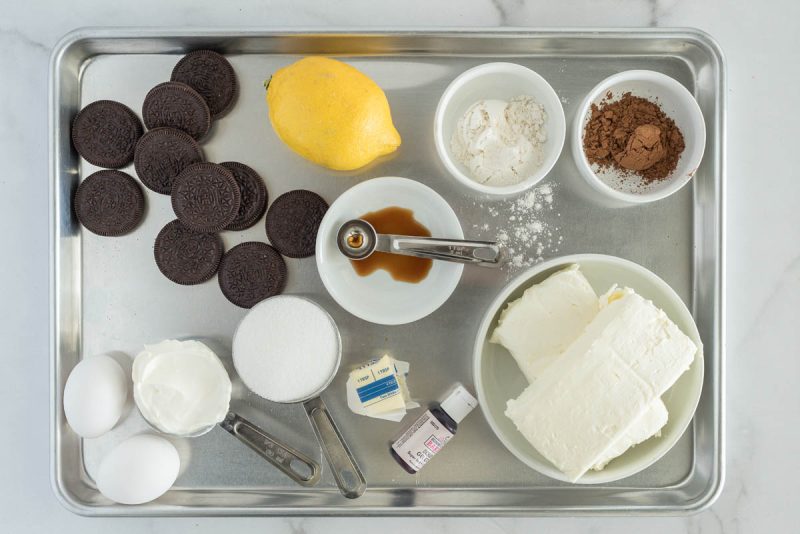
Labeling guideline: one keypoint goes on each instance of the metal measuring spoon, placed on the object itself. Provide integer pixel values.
(357, 239)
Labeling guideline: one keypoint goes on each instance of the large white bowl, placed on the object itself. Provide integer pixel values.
(502, 81)
(677, 102)
(498, 378)
(378, 298)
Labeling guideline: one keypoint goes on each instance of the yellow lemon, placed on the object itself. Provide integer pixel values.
(331, 113)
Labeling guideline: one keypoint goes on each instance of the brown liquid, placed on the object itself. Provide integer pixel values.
(400, 221)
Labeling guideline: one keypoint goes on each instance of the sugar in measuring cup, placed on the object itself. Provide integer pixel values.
(287, 349)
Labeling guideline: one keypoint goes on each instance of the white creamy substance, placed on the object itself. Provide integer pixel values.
(501, 143)
(181, 387)
(599, 389)
(539, 326)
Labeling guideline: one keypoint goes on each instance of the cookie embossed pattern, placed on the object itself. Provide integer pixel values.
(206, 197)
(161, 155)
(176, 105)
(254, 195)
(187, 257)
(293, 220)
(251, 272)
(109, 203)
(212, 76)
(105, 133)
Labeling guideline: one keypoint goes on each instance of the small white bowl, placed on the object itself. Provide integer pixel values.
(502, 81)
(498, 378)
(677, 102)
(378, 298)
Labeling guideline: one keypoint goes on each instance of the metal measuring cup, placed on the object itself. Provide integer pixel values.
(293, 463)
(346, 472)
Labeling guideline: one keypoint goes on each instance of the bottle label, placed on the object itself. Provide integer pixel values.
(421, 441)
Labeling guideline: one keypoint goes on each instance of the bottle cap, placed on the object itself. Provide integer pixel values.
(459, 403)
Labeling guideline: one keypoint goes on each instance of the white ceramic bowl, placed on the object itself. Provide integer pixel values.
(677, 102)
(498, 378)
(378, 298)
(502, 81)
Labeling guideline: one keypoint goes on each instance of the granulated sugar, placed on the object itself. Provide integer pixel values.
(521, 225)
(286, 348)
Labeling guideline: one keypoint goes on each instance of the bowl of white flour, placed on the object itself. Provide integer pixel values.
(499, 128)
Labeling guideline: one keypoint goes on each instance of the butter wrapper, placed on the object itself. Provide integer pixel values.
(378, 389)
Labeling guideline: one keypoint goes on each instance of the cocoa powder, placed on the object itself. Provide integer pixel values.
(633, 135)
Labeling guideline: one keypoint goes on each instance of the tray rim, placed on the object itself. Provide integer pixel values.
(699, 37)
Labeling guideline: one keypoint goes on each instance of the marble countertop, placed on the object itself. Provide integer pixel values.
(760, 40)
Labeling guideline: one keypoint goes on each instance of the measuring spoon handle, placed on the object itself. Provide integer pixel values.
(483, 253)
(348, 475)
(281, 456)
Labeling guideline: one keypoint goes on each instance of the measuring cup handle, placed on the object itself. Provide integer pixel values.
(281, 456)
(345, 470)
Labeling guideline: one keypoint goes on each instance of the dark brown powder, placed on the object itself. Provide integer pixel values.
(622, 135)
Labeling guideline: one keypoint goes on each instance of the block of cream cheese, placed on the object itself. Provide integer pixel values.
(542, 323)
(652, 420)
(648, 425)
(605, 381)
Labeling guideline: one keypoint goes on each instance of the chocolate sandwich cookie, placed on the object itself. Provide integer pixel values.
(105, 133)
(176, 105)
(162, 154)
(109, 203)
(211, 75)
(253, 193)
(251, 272)
(293, 221)
(187, 257)
(206, 197)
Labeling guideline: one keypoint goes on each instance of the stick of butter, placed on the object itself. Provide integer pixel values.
(378, 389)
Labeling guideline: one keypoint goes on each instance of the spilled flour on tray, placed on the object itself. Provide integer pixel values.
(522, 225)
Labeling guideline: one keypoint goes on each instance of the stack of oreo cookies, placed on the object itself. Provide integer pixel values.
(207, 198)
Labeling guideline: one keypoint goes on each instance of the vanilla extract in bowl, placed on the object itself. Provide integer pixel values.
(398, 221)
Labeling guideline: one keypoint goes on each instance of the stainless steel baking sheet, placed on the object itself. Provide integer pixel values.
(107, 293)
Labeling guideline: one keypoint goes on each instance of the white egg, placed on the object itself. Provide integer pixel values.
(95, 395)
(139, 469)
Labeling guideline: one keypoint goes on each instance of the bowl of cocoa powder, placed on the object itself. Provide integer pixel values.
(638, 137)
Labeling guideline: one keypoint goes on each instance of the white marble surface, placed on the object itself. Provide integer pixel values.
(761, 42)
